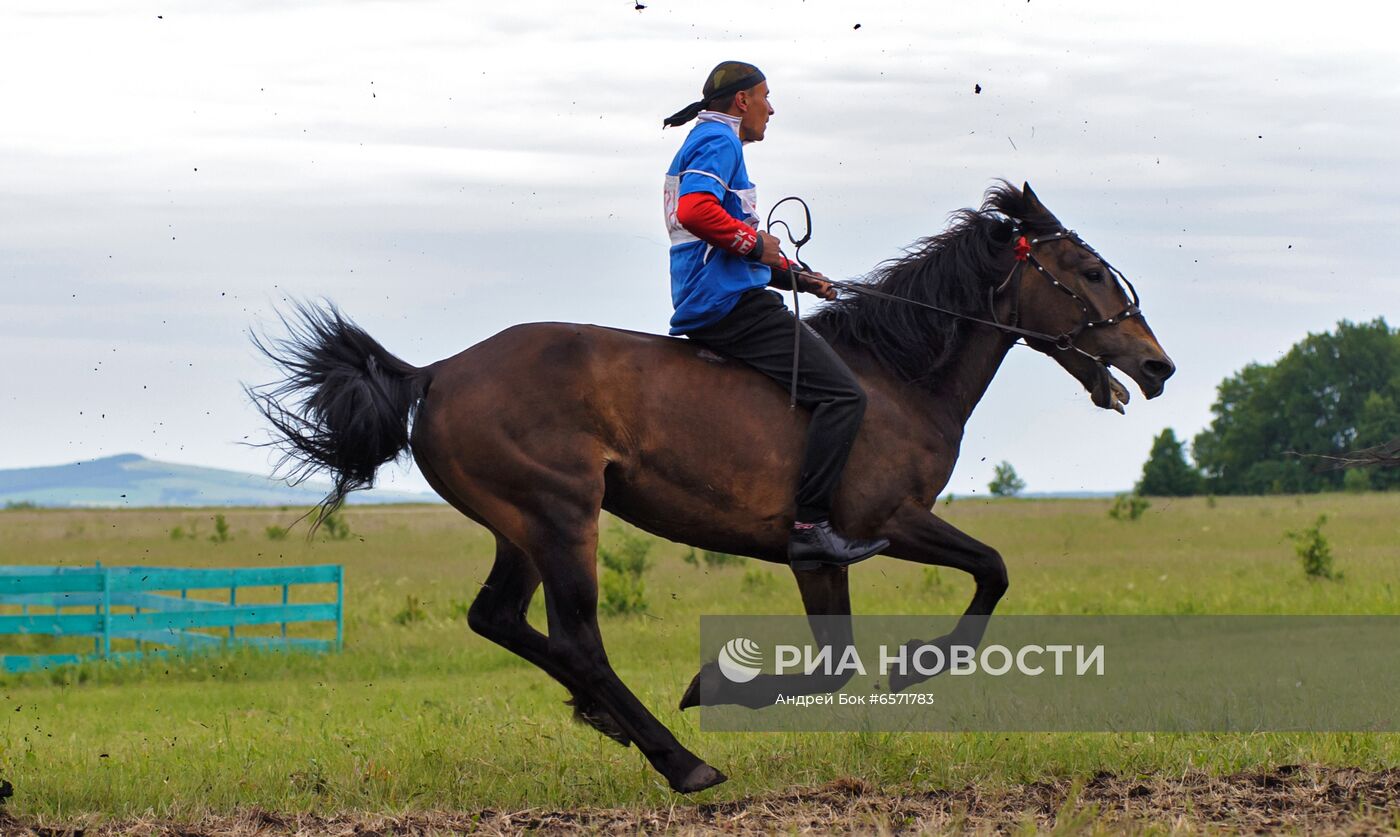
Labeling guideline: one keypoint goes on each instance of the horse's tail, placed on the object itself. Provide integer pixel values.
(344, 405)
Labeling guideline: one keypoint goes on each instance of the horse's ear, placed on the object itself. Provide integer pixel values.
(1030, 196)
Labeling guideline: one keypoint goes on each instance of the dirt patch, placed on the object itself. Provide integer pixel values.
(1289, 799)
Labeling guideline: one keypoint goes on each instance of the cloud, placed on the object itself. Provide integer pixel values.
(444, 174)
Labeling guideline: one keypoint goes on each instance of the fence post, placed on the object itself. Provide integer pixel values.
(285, 588)
(106, 612)
(232, 600)
(339, 608)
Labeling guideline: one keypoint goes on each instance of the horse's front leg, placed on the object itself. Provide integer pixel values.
(826, 596)
(916, 534)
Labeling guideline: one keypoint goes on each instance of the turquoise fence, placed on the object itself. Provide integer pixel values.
(152, 605)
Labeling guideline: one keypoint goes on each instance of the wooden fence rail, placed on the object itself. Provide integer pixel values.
(156, 608)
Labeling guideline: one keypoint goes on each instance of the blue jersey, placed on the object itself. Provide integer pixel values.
(705, 281)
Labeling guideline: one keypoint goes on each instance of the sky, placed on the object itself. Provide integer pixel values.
(172, 173)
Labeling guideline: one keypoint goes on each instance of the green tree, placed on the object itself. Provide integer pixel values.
(1379, 423)
(1005, 482)
(1166, 472)
(1316, 399)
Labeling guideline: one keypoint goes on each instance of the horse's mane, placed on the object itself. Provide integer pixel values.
(952, 270)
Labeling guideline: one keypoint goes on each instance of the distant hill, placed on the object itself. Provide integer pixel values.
(133, 480)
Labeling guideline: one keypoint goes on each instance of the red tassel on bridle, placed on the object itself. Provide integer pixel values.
(1023, 249)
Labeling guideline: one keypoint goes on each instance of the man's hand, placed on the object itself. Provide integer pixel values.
(772, 253)
(815, 284)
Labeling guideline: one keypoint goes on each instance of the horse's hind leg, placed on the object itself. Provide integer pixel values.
(499, 614)
(499, 611)
(550, 513)
(564, 552)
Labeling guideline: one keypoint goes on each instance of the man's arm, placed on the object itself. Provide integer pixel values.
(702, 215)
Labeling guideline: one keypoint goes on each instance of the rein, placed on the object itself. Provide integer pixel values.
(1024, 255)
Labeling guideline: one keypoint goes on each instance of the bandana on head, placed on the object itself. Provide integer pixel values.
(725, 79)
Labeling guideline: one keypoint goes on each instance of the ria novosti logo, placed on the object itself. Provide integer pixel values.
(741, 659)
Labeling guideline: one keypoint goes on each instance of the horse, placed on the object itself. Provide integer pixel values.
(534, 431)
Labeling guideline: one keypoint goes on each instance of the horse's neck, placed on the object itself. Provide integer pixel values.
(948, 401)
(966, 377)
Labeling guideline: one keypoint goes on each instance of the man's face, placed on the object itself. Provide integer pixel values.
(754, 111)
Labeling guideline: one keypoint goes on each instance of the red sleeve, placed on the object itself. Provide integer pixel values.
(701, 214)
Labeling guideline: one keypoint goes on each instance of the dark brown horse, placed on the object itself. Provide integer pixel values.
(534, 431)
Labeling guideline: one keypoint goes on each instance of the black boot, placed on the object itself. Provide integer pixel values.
(818, 545)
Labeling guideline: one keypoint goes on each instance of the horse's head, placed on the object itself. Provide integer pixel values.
(1063, 288)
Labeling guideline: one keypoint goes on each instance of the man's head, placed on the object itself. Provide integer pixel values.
(737, 89)
(752, 108)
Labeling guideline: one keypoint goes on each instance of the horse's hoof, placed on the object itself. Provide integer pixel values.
(692, 694)
(600, 719)
(698, 779)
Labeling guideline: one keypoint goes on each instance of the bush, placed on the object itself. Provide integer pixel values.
(756, 580)
(221, 530)
(336, 527)
(621, 585)
(1314, 550)
(712, 558)
(1128, 507)
(1357, 481)
(20, 505)
(412, 612)
(276, 533)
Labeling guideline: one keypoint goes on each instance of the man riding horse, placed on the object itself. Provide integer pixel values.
(534, 432)
(721, 267)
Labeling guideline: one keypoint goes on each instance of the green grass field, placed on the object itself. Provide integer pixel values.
(427, 716)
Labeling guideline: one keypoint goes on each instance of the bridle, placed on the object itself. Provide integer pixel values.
(1025, 254)
(1024, 249)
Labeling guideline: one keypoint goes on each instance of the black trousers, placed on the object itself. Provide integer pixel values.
(759, 332)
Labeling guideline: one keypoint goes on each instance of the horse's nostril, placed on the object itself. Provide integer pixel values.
(1159, 369)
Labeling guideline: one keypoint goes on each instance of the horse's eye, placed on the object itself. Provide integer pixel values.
(1094, 275)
